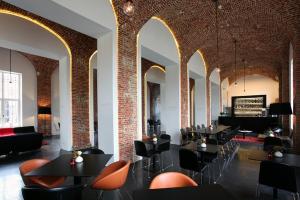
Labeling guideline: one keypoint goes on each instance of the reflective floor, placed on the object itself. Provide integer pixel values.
(240, 177)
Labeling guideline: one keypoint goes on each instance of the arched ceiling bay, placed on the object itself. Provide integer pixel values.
(262, 28)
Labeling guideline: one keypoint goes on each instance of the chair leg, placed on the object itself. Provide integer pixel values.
(133, 168)
(130, 197)
(99, 196)
(257, 192)
(162, 162)
(120, 194)
(294, 196)
(208, 172)
(149, 160)
(298, 196)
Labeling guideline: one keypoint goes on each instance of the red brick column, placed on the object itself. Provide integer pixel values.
(296, 54)
(184, 92)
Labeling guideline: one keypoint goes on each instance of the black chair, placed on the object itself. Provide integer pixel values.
(278, 176)
(141, 150)
(270, 142)
(184, 137)
(164, 147)
(191, 161)
(66, 192)
(92, 150)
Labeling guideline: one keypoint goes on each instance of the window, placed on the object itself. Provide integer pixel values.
(10, 99)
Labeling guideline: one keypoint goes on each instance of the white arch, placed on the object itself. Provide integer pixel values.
(197, 71)
(157, 42)
(36, 33)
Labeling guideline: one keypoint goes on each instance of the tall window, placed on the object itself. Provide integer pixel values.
(10, 99)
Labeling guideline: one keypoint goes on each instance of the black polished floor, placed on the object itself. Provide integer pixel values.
(240, 177)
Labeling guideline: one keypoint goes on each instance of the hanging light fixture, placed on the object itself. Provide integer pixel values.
(128, 8)
(244, 61)
(10, 66)
(217, 33)
(235, 82)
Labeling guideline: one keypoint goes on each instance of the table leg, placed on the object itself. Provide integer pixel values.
(275, 193)
(77, 180)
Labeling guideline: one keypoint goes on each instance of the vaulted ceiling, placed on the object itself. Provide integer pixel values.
(263, 28)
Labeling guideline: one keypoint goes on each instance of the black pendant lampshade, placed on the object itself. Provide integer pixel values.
(280, 109)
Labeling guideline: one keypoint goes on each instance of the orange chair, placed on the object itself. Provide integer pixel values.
(112, 177)
(43, 181)
(172, 180)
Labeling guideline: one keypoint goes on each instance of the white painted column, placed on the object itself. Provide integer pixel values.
(200, 101)
(65, 99)
(140, 118)
(107, 94)
(91, 100)
(173, 103)
(163, 116)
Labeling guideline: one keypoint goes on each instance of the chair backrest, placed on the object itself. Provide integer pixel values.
(92, 150)
(198, 127)
(113, 176)
(278, 175)
(202, 126)
(270, 142)
(172, 180)
(140, 148)
(211, 141)
(165, 136)
(67, 192)
(28, 166)
(188, 159)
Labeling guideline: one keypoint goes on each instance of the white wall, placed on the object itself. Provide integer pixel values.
(215, 101)
(55, 101)
(28, 37)
(224, 88)
(22, 65)
(215, 94)
(155, 75)
(153, 34)
(197, 71)
(255, 85)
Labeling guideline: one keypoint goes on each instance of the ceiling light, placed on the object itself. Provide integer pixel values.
(128, 8)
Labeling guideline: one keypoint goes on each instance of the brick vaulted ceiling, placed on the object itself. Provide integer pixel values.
(263, 28)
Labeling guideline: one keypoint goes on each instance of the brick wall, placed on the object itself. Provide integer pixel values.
(82, 48)
(44, 68)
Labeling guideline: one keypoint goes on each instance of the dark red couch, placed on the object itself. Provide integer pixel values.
(19, 139)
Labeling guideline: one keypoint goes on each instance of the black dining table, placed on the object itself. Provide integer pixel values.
(154, 145)
(196, 146)
(91, 166)
(292, 160)
(288, 159)
(203, 192)
(210, 131)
